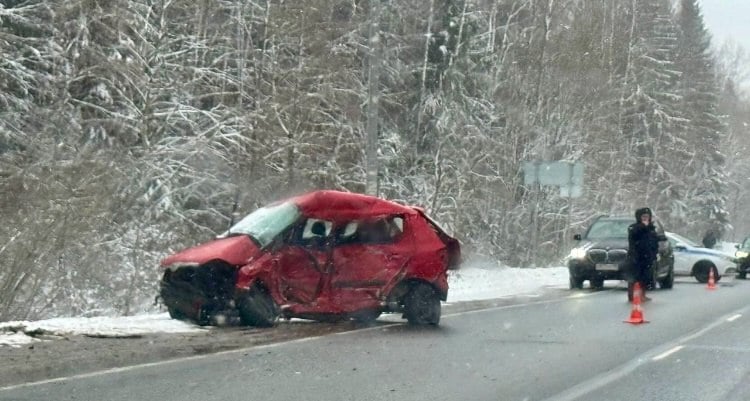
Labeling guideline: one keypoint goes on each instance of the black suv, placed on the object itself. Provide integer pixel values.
(601, 254)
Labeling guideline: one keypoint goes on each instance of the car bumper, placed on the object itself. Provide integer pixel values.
(586, 270)
(727, 268)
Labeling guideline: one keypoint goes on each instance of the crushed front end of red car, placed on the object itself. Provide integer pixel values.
(324, 255)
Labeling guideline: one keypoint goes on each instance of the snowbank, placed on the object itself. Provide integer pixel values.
(486, 282)
(22, 332)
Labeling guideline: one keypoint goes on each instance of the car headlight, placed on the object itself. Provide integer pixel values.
(741, 254)
(578, 253)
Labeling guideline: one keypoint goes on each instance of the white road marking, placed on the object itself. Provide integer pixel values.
(617, 373)
(668, 353)
(735, 317)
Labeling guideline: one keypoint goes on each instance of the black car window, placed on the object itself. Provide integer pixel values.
(316, 228)
(313, 233)
(377, 231)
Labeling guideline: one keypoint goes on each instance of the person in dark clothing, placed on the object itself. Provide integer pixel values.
(643, 246)
(709, 240)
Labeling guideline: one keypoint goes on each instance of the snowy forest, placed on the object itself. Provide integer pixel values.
(131, 128)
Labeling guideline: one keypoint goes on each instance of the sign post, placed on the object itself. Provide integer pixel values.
(568, 176)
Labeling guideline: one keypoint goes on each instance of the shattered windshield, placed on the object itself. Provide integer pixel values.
(266, 223)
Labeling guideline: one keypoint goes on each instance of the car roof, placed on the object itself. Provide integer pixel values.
(616, 218)
(338, 205)
(623, 217)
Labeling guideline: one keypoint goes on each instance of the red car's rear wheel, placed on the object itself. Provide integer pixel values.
(422, 305)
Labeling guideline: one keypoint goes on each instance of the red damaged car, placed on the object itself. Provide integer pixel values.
(324, 255)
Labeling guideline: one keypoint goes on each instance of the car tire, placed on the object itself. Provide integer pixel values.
(597, 283)
(653, 279)
(701, 272)
(742, 275)
(667, 282)
(576, 283)
(258, 308)
(422, 305)
(654, 282)
(204, 315)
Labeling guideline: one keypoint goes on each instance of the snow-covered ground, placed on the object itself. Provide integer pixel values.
(20, 332)
(477, 280)
(485, 281)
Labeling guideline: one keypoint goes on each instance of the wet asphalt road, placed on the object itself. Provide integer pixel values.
(577, 347)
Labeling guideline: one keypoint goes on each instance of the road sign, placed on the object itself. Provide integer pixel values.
(566, 175)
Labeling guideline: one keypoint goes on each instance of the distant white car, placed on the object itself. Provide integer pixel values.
(690, 259)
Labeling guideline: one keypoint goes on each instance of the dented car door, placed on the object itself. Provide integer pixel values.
(369, 256)
(302, 264)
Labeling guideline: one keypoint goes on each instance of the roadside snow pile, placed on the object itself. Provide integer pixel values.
(22, 332)
(16, 339)
(483, 279)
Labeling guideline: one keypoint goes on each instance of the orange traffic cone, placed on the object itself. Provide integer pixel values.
(636, 314)
(711, 280)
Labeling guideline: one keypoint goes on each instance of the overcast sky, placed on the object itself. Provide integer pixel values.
(728, 19)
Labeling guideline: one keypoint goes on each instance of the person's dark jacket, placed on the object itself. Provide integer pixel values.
(643, 242)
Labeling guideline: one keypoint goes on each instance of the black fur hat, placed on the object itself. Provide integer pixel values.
(640, 212)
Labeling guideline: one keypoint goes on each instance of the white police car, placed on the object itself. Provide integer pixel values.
(690, 259)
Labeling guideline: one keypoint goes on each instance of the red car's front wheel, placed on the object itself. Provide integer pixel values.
(257, 308)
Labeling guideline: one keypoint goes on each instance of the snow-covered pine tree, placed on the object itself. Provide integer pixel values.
(650, 116)
(706, 183)
(734, 107)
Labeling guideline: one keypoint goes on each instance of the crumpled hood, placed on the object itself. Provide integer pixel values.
(236, 250)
